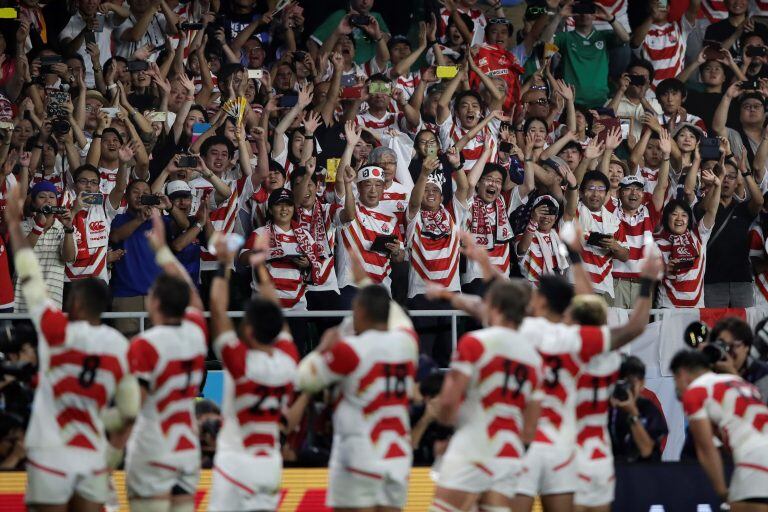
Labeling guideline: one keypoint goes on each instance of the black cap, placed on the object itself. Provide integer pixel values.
(279, 195)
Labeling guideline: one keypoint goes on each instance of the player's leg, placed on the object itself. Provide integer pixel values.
(557, 502)
(492, 501)
(48, 489)
(47, 508)
(80, 504)
(184, 503)
(522, 503)
(600, 508)
(159, 504)
(757, 505)
(452, 500)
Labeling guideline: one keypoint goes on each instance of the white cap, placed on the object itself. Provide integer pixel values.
(177, 186)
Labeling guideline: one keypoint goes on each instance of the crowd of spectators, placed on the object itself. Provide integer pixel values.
(330, 134)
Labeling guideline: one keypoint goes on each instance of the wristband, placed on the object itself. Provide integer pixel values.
(39, 146)
(37, 229)
(574, 187)
(613, 20)
(646, 286)
(746, 174)
(222, 272)
(164, 256)
(97, 70)
(96, 136)
(309, 135)
(729, 156)
(431, 43)
(69, 230)
(198, 226)
(112, 86)
(574, 256)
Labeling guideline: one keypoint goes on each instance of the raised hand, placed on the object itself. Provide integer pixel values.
(665, 142)
(306, 95)
(594, 149)
(127, 152)
(352, 132)
(312, 122)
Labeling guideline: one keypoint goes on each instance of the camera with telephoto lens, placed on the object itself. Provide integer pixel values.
(715, 351)
(53, 210)
(621, 390)
(55, 110)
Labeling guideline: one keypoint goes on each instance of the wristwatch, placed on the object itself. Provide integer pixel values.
(632, 420)
(745, 174)
(69, 230)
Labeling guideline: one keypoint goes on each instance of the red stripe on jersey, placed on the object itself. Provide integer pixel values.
(259, 439)
(386, 400)
(499, 423)
(175, 395)
(46, 468)
(71, 385)
(54, 325)
(589, 432)
(73, 414)
(503, 396)
(592, 342)
(233, 358)
(519, 372)
(386, 370)
(469, 349)
(179, 367)
(233, 481)
(390, 423)
(177, 418)
(508, 451)
(196, 317)
(752, 466)
(80, 441)
(289, 348)
(76, 357)
(142, 356)
(553, 416)
(760, 421)
(592, 407)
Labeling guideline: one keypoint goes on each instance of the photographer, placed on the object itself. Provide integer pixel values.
(12, 452)
(636, 425)
(18, 365)
(49, 231)
(135, 272)
(729, 350)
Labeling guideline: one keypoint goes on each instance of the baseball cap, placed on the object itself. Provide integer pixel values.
(43, 186)
(622, 164)
(177, 188)
(695, 129)
(370, 172)
(554, 162)
(279, 195)
(96, 95)
(630, 180)
(549, 200)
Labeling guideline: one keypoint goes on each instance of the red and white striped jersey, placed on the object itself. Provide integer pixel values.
(664, 47)
(598, 261)
(257, 388)
(379, 125)
(634, 229)
(256, 205)
(360, 234)
(593, 392)
(326, 214)
(394, 201)
(408, 83)
(108, 179)
(9, 182)
(478, 19)
(375, 375)
(616, 7)
(565, 351)
(434, 257)
(92, 227)
(286, 275)
(168, 360)
(80, 368)
(505, 373)
(56, 178)
(224, 218)
(450, 131)
(714, 10)
(542, 256)
(684, 289)
(760, 8)
(736, 408)
(757, 250)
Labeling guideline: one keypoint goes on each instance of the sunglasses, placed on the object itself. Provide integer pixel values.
(499, 21)
(540, 101)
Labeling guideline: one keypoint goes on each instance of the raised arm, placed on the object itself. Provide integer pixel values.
(721, 112)
(428, 165)
(652, 268)
(712, 199)
(444, 102)
(124, 155)
(662, 180)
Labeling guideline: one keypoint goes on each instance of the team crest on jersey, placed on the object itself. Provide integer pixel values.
(480, 137)
(482, 62)
(400, 206)
(385, 229)
(599, 45)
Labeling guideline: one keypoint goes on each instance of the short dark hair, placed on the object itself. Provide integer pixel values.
(510, 298)
(736, 326)
(112, 131)
(572, 145)
(533, 119)
(172, 293)
(216, 140)
(558, 292)
(379, 77)
(687, 359)
(670, 84)
(594, 176)
(92, 294)
(84, 168)
(670, 207)
(265, 318)
(374, 300)
(642, 63)
(470, 93)
(632, 366)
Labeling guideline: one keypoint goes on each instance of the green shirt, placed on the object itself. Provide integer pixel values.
(585, 61)
(365, 47)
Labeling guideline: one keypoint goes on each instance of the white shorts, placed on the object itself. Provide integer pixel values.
(597, 480)
(358, 480)
(749, 480)
(245, 482)
(172, 474)
(497, 475)
(54, 474)
(548, 469)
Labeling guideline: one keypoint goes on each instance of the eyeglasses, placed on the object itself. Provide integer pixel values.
(83, 181)
(731, 177)
(752, 106)
(491, 181)
(596, 188)
(388, 164)
(499, 21)
(540, 101)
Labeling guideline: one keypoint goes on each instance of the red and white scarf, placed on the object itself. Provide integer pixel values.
(482, 224)
(435, 224)
(313, 251)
